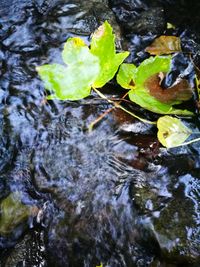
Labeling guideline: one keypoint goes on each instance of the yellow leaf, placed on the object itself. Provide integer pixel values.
(171, 131)
(164, 45)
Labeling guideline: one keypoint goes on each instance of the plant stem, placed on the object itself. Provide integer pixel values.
(188, 143)
(92, 124)
(117, 105)
(134, 115)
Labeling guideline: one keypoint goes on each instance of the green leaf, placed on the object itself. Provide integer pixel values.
(171, 131)
(75, 50)
(103, 46)
(140, 94)
(126, 76)
(74, 81)
(152, 66)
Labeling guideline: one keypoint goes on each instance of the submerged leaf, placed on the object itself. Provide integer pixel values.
(74, 81)
(164, 45)
(171, 131)
(141, 94)
(103, 46)
(126, 76)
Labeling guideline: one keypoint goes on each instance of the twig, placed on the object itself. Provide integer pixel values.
(117, 105)
(92, 124)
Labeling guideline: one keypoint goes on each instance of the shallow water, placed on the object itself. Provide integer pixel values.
(112, 196)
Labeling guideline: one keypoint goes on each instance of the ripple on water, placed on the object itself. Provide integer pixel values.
(109, 196)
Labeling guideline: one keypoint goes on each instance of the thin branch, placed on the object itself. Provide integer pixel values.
(92, 124)
(117, 105)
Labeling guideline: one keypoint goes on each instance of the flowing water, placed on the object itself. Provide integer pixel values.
(74, 198)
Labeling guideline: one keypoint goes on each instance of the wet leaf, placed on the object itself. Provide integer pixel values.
(197, 79)
(178, 92)
(141, 94)
(171, 131)
(103, 46)
(74, 50)
(164, 45)
(74, 81)
(126, 76)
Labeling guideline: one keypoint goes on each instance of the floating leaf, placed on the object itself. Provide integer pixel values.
(103, 46)
(178, 92)
(171, 131)
(164, 45)
(74, 81)
(152, 66)
(126, 76)
(74, 50)
(141, 95)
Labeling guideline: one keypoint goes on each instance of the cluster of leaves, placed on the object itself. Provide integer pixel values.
(86, 67)
(92, 67)
(131, 77)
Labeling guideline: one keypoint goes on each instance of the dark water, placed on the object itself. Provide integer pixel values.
(74, 198)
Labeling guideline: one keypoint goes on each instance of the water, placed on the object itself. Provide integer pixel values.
(74, 198)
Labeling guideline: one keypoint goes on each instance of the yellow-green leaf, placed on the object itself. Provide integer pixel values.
(103, 47)
(140, 93)
(74, 81)
(75, 50)
(126, 76)
(171, 131)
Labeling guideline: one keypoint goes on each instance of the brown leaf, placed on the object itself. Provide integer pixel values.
(179, 91)
(164, 45)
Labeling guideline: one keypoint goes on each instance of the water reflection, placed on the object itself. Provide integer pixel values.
(111, 196)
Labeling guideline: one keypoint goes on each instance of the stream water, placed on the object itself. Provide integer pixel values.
(113, 196)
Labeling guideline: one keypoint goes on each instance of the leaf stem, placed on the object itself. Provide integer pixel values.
(134, 115)
(117, 105)
(188, 143)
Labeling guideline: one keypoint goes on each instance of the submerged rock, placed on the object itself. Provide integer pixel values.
(13, 213)
(139, 17)
(30, 251)
(171, 205)
(177, 227)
